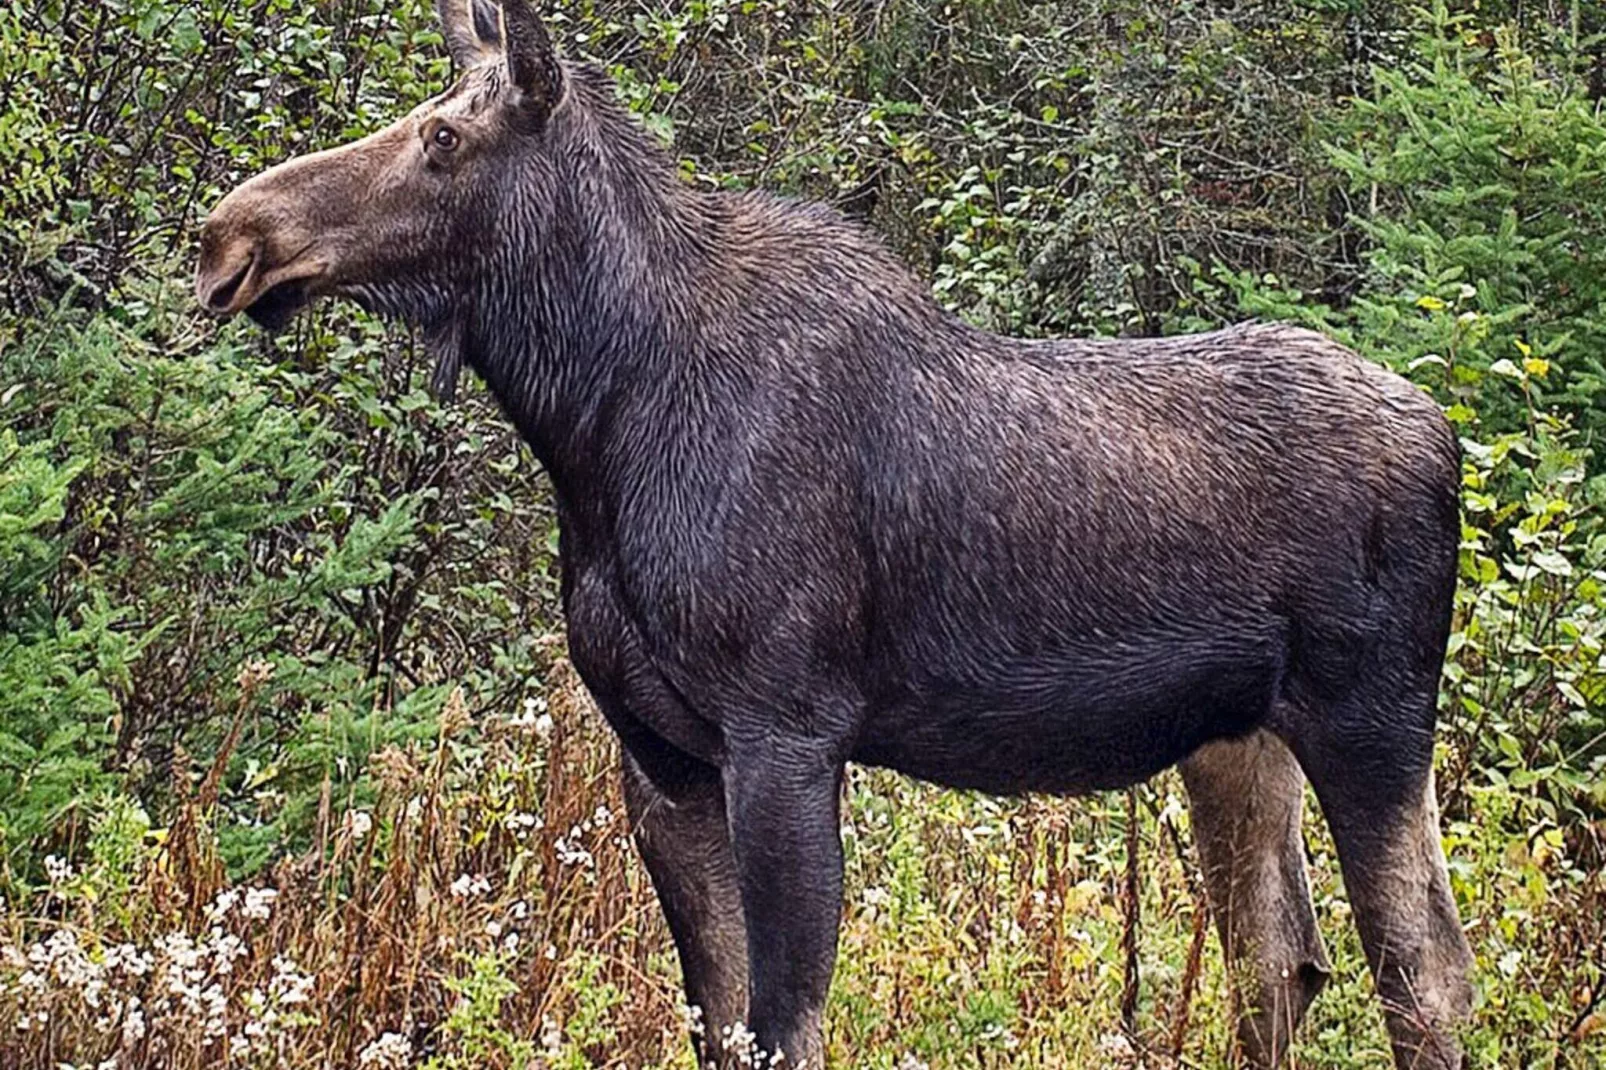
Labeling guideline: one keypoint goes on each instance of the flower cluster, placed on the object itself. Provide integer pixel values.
(571, 849)
(535, 718)
(128, 1000)
(391, 1051)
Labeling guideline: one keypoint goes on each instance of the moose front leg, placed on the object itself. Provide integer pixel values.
(685, 842)
(783, 798)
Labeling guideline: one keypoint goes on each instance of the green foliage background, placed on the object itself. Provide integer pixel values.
(179, 498)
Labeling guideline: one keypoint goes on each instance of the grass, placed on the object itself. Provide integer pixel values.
(490, 911)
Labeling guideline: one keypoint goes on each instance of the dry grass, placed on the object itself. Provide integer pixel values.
(513, 851)
(489, 911)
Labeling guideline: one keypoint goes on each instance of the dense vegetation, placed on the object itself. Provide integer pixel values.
(292, 770)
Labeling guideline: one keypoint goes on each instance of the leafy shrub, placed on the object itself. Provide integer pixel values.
(213, 509)
(1476, 182)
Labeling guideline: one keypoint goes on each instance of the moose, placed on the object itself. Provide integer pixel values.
(808, 517)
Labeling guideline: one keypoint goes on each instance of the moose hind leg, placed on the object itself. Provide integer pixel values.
(1246, 797)
(1375, 782)
(685, 843)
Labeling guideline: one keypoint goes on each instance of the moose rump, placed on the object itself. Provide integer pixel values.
(807, 517)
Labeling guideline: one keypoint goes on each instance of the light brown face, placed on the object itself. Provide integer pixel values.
(383, 219)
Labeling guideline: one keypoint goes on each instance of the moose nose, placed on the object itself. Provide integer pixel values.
(225, 268)
(221, 295)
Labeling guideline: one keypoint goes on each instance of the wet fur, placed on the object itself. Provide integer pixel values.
(1056, 565)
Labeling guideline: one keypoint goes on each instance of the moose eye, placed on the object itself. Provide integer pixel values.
(445, 138)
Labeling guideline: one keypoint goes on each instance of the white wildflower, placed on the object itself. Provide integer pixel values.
(222, 905)
(133, 1026)
(571, 852)
(226, 947)
(259, 903)
(216, 1002)
(551, 1037)
(743, 1043)
(289, 984)
(1115, 1045)
(178, 949)
(129, 959)
(534, 712)
(521, 824)
(391, 1051)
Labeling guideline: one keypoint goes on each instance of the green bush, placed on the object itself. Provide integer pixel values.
(1475, 176)
(178, 508)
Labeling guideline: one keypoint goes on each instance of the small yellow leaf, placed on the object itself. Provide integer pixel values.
(1523, 347)
(1430, 303)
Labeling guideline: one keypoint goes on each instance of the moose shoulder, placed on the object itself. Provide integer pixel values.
(808, 517)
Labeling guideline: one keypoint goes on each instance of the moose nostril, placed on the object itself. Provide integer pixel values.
(222, 295)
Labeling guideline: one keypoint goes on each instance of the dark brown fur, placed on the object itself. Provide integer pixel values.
(808, 517)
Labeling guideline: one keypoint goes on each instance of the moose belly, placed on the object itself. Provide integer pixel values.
(1090, 725)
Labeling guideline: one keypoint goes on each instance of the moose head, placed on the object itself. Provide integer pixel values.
(405, 221)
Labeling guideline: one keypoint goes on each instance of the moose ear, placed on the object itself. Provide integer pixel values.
(531, 63)
(472, 30)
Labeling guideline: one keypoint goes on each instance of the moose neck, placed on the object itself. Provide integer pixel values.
(594, 301)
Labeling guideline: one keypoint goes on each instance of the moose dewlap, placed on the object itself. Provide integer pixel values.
(809, 518)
